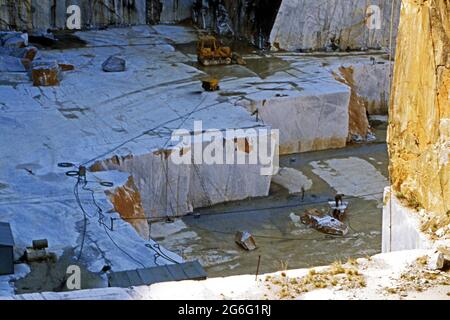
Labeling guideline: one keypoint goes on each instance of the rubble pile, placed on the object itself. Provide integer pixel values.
(426, 272)
(17, 55)
(338, 276)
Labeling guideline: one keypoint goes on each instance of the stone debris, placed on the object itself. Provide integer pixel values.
(436, 261)
(337, 276)
(45, 73)
(114, 64)
(64, 66)
(418, 277)
(245, 240)
(17, 56)
(14, 39)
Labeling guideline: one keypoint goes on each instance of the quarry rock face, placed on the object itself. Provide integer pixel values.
(246, 19)
(371, 84)
(419, 130)
(331, 24)
(307, 120)
(172, 11)
(44, 14)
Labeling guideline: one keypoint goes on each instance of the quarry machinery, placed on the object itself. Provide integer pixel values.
(211, 52)
(210, 84)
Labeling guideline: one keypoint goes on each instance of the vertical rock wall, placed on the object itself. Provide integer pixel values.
(243, 19)
(320, 24)
(173, 11)
(45, 14)
(170, 189)
(419, 130)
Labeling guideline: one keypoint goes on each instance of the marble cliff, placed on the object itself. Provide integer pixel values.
(317, 25)
(419, 129)
(280, 24)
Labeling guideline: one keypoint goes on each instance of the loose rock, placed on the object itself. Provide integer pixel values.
(45, 73)
(66, 66)
(436, 261)
(15, 40)
(114, 64)
(22, 53)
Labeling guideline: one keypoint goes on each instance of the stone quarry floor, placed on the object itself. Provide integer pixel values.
(91, 112)
(358, 171)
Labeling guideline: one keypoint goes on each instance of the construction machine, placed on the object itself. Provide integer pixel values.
(210, 52)
(210, 84)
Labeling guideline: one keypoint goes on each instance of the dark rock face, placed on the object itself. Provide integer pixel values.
(45, 14)
(243, 19)
(154, 9)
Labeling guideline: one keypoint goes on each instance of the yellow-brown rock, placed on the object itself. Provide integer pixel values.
(127, 202)
(358, 121)
(419, 128)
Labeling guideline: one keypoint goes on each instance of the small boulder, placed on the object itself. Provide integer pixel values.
(245, 240)
(45, 73)
(436, 261)
(64, 66)
(114, 64)
(28, 53)
(15, 40)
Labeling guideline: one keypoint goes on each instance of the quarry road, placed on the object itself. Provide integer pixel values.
(359, 171)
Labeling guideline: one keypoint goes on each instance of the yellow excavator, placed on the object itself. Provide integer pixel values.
(210, 52)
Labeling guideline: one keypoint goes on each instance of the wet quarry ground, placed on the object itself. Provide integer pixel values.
(283, 242)
(92, 111)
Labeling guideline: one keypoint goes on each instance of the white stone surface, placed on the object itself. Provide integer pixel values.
(352, 177)
(436, 261)
(309, 25)
(372, 84)
(293, 180)
(89, 114)
(314, 120)
(6, 282)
